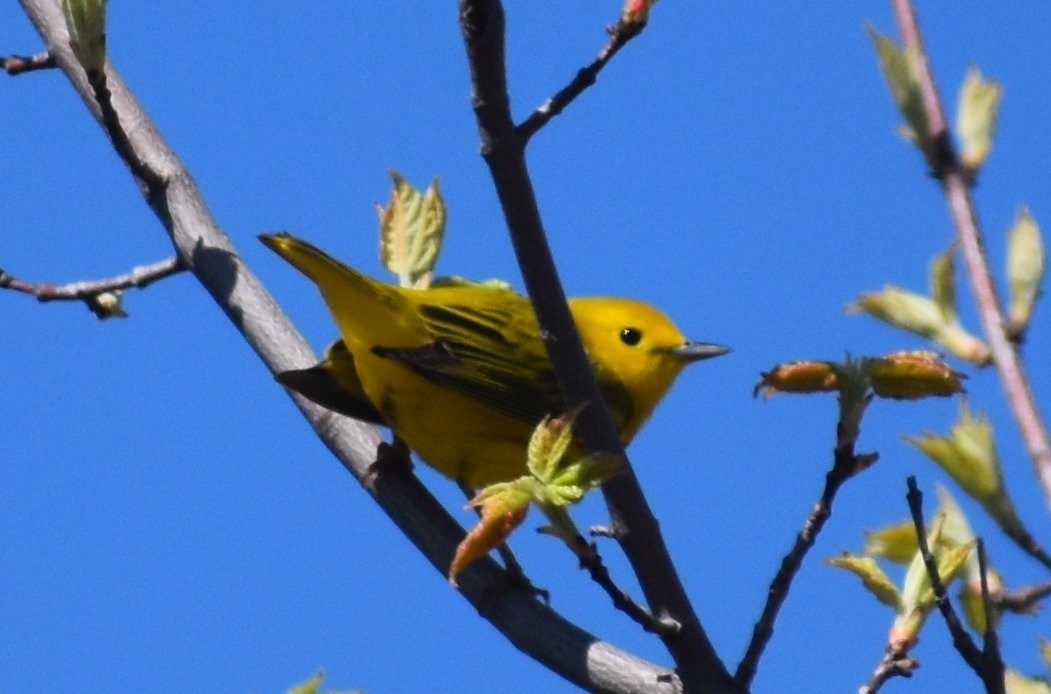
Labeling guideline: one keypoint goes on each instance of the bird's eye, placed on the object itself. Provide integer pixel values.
(630, 336)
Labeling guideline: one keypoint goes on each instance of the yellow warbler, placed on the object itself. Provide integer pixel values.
(458, 371)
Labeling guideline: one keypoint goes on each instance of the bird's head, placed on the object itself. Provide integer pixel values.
(639, 345)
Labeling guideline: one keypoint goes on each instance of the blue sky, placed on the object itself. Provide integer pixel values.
(169, 522)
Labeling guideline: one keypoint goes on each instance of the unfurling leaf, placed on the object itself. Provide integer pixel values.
(917, 594)
(313, 686)
(943, 283)
(308, 687)
(797, 377)
(911, 375)
(551, 485)
(976, 113)
(412, 227)
(900, 68)
(924, 317)
(896, 543)
(1017, 683)
(905, 375)
(968, 454)
(86, 22)
(1045, 652)
(970, 596)
(871, 575)
(504, 507)
(1026, 265)
(547, 445)
(902, 309)
(636, 11)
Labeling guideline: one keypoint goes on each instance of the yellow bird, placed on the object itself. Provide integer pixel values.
(458, 370)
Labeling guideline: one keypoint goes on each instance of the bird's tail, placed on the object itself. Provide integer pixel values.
(351, 296)
(333, 278)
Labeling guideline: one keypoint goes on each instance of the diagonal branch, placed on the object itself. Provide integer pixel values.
(503, 147)
(619, 35)
(961, 640)
(956, 181)
(207, 252)
(846, 464)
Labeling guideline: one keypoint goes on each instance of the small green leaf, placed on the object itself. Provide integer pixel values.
(86, 22)
(951, 561)
(921, 316)
(896, 543)
(1017, 683)
(308, 687)
(943, 282)
(504, 506)
(547, 445)
(871, 575)
(971, 601)
(912, 375)
(968, 454)
(900, 69)
(1045, 652)
(1026, 265)
(902, 309)
(976, 113)
(412, 227)
(957, 529)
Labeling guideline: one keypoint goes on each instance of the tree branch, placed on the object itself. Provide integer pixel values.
(503, 147)
(591, 560)
(89, 290)
(986, 664)
(18, 64)
(845, 465)
(208, 253)
(619, 35)
(956, 181)
(894, 663)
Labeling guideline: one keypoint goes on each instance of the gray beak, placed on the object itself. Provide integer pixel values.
(696, 351)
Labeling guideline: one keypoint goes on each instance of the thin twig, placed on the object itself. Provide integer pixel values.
(844, 466)
(1012, 526)
(992, 672)
(19, 64)
(503, 148)
(1024, 600)
(956, 181)
(894, 663)
(619, 35)
(591, 560)
(139, 277)
(960, 638)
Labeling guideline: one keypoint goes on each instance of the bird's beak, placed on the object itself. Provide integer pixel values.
(696, 351)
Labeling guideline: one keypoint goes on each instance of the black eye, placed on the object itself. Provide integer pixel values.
(631, 336)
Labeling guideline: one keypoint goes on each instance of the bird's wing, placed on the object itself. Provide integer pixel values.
(334, 384)
(485, 353)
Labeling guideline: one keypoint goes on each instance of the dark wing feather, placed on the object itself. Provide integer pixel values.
(334, 384)
(483, 353)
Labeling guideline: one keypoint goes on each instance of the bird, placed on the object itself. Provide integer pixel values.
(458, 370)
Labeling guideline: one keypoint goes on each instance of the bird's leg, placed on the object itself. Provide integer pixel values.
(388, 455)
